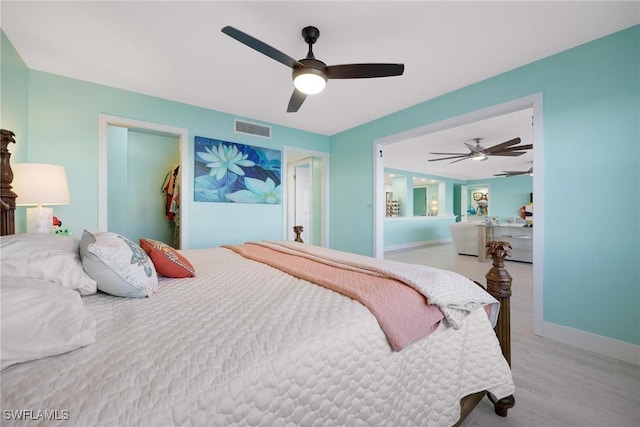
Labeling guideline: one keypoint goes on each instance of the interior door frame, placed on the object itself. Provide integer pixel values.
(104, 121)
(535, 102)
(292, 154)
(293, 202)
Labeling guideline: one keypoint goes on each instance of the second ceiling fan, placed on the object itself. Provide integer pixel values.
(515, 173)
(478, 152)
(310, 74)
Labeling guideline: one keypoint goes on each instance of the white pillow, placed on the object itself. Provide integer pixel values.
(118, 265)
(41, 319)
(51, 257)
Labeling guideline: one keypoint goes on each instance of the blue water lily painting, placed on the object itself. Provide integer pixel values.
(229, 172)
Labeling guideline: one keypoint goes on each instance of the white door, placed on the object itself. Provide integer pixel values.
(303, 200)
(300, 202)
(464, 203)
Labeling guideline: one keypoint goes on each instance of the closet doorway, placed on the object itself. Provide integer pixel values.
(138, 162)
(141, 181)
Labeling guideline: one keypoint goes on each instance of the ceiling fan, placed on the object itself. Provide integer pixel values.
(310, 74)
(516, 173)
(478, 152)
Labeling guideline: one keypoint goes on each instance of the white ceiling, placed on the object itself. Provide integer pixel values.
(414, 154)
(175, 50)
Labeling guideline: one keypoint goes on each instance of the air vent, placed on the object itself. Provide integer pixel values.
(253, 129)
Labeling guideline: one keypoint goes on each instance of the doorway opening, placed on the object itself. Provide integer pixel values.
(165, 137)
(306, 202)
(533, 102)
(143, 185)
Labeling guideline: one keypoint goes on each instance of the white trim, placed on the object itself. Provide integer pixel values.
(324, 197)
(419, 217)
(411, 245)
(610, 347)
(538, 203)
(291, 195)
(105, 120)
(532, 101)
(379, 208)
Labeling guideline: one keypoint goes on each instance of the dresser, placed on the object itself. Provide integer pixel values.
(520, 238)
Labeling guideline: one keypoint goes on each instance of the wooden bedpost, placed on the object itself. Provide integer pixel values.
(7, 197)
(499, 286)
(298, 229)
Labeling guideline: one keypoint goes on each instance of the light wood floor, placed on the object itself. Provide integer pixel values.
(556, 384)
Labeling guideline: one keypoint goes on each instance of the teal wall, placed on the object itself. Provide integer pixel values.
(14, 95)
(433, 191)
(507, 195)
(63, 129)
(446, 205)
(591, 106)
(400, 231)
(14, 78)
(403, 193)
(138, 163)
(419, 201)
(117, 179)
(591, 130)
(316, 203)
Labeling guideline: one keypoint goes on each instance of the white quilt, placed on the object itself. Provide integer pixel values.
(245, 344)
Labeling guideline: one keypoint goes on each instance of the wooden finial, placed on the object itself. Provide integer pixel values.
(7, 196)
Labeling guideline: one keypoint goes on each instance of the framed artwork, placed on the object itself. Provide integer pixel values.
(228, 172)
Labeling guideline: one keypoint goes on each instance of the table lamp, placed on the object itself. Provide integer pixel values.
(38, 184)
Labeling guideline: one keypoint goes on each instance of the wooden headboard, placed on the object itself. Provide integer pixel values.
(7, 197)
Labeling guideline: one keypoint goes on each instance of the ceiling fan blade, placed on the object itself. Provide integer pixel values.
(508, 153)
(448, 158)
(362, 71)
(511, 173)
(297, 98)
(502, 146)
(518, 148)
(464, 158)
(451, 154)
(261, 47)
(475, 148)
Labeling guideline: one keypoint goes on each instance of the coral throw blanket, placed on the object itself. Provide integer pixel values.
(403, 313)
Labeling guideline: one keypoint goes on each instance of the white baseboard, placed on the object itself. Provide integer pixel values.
(610, 347)
(412, 245)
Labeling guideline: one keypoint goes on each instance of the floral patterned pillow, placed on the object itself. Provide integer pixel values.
(118, 265)
(168, 261)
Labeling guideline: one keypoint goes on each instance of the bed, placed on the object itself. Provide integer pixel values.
(247, 343)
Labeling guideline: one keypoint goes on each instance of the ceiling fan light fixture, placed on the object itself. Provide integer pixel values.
(309, 81)
(479, 156)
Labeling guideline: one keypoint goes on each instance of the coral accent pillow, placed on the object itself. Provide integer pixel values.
(168, 261)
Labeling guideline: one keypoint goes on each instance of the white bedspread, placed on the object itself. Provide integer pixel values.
(245, 344)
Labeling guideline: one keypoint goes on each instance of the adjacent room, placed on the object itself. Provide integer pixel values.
(320, 213)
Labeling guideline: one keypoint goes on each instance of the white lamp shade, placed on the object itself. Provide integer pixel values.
(40, 184)
(309, 83)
